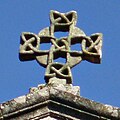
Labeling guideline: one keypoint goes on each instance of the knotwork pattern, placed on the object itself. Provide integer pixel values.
(89, 47)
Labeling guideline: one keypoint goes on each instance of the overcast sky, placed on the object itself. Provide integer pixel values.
(98, 82)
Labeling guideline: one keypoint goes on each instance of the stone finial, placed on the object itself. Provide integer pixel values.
(89, 50)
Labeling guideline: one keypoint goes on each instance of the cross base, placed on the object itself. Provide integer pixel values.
(58, 84)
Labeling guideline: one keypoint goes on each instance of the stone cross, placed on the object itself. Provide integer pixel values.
(89, 47)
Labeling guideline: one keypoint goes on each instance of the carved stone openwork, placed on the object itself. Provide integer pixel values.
(89, 47)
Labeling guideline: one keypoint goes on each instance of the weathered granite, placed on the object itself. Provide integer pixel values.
(89, 46)
(56, 102)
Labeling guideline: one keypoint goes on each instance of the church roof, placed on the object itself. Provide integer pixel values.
(57, 101)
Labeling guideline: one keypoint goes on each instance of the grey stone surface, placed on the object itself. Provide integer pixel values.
(90, 46)
(48, 118)
(57, 102)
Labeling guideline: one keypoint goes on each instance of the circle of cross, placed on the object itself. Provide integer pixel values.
(89, 47)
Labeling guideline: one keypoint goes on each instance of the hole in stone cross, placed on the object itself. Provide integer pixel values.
(45, 46)
(76, 47)
(56, 66)
(94, 37)
(61, 34)
(65, 72)
(60, 60)
(70, 16)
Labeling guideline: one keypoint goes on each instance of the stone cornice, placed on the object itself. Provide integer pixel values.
(56, 99)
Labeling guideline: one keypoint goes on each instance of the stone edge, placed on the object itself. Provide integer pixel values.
(50, 93)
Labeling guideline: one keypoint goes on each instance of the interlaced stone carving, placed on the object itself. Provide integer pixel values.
(89, 47)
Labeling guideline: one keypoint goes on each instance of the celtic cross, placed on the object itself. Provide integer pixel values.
(89, 47)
